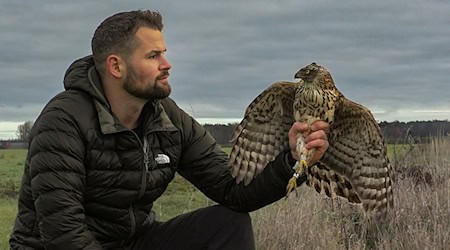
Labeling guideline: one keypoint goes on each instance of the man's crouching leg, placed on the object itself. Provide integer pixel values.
(213, 227)
(236, 231)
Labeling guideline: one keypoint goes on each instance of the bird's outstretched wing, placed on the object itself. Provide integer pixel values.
(355, 165)
(263, 133)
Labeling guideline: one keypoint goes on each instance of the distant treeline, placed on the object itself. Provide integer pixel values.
(419, 131)
(221, 132)
(393, 132)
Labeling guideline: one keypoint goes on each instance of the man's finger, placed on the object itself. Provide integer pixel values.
(321, 146)
(318, 144)
(320, 134)
(298, 127)
(319, 125)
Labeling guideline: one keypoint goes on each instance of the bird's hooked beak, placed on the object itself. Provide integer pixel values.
(297, 76)
(299, 80)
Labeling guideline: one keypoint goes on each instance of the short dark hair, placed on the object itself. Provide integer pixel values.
(115, 35)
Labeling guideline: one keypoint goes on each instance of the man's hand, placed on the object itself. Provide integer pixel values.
(315, 137)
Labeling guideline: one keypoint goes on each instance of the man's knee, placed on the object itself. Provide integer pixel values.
(236, 230)
(233, 217)
(242, 219)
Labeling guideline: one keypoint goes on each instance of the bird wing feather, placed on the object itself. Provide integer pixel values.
(263, 133)
(356, 165)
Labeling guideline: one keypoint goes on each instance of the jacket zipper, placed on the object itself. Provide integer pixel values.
(146, 163)
(143, 183)
(145, 149)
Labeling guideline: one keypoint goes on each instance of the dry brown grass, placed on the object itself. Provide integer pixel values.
(420, 220)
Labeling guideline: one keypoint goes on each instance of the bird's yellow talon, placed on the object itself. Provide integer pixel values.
(303, 165)
(292, 185)
(299, 169)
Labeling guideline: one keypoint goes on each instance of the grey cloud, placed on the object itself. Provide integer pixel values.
(389, 56)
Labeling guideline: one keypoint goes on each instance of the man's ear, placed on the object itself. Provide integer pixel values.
(115, 66)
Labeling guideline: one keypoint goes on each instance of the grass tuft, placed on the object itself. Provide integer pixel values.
(420, 220)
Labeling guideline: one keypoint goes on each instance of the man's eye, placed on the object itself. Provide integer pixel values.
(153, 56)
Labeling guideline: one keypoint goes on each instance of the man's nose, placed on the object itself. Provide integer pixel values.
(165, 64)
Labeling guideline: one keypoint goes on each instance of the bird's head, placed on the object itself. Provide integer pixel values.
(315, 74)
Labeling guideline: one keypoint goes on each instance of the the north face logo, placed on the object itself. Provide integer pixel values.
(162, 159)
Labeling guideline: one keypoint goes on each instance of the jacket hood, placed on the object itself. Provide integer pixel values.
(82, 75)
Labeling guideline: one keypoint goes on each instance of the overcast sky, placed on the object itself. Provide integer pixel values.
(390, 56)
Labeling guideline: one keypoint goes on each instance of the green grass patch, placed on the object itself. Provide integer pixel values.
(179, 198)
(8, 210)
(11, 167)
(398, 150)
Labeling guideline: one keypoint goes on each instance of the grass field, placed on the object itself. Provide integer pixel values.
(421, 219)
(11, 165)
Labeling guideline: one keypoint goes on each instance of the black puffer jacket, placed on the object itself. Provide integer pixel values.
(90, 183)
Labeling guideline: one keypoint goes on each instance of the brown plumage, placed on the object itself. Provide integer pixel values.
(355, 165)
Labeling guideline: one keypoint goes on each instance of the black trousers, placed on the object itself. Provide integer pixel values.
(208, 228)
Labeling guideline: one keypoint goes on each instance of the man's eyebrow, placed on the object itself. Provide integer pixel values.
(156, 52)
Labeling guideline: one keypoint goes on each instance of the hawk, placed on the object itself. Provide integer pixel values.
(354, 167)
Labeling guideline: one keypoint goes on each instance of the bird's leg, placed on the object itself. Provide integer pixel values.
(300, 166)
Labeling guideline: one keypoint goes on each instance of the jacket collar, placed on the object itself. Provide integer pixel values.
(154, 118)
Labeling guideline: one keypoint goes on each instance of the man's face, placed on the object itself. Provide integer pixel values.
(147, 68)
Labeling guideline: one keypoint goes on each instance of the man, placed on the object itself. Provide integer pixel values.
(105, 149)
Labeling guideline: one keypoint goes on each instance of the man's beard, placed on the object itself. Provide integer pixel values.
(147, 92)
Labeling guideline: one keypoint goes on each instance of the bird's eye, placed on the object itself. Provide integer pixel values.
(307, 71)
